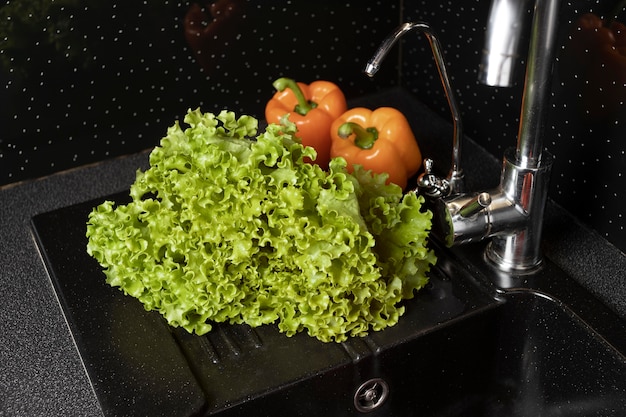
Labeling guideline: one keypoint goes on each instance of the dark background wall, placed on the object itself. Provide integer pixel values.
(83, 81)
(87, 80)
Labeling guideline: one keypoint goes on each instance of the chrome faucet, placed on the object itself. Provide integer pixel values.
(511, 214)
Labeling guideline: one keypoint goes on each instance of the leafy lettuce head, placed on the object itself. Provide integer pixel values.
(228, 225)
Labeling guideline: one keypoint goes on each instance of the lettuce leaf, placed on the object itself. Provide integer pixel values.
(228, 225)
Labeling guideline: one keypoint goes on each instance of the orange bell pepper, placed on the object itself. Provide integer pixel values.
(312, 108)
(380, 140)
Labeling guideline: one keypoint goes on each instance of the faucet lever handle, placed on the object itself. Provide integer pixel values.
(475, 205)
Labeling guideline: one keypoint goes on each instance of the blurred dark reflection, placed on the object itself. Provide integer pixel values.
(210, 27)
(594, 66)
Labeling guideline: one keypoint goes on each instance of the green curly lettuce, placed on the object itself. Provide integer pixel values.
(230, 226)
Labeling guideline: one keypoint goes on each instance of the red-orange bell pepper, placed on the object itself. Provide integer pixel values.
(594, 62)
(380, 140)
(312, 108)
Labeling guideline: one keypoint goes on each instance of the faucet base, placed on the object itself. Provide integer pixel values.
(501, 255)
(518, 249)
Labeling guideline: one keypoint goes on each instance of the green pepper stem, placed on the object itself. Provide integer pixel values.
(304, 106)
(365, 137)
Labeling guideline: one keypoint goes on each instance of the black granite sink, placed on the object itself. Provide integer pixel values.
(530, 356)
(464, 347)
(135, 361)
(474, 342)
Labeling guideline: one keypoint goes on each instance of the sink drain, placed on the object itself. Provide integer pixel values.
(371, 395)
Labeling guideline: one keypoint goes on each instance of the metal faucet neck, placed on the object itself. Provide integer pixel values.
(504, 31)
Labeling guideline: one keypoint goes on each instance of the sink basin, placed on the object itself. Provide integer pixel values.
(465, 347)
(527, 357)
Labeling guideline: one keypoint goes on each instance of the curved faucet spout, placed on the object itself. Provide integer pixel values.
(455, 177)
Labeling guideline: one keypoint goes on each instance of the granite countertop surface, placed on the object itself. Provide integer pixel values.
(42, 373)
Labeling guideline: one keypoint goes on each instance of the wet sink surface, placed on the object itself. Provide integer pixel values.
(527, 357)
(461, 349)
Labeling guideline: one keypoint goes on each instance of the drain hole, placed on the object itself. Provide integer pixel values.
(371, 395)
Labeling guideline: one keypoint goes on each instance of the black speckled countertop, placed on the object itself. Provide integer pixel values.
(42, 373)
